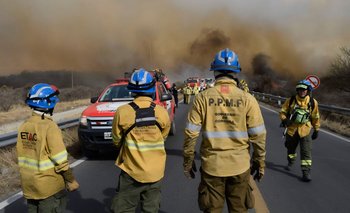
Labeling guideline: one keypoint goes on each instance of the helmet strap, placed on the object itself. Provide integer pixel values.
(44, 111)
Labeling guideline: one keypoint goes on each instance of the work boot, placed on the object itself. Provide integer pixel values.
(289, 166)
(306, 176)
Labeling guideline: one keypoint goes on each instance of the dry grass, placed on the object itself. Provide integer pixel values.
(9, 171)
(9, 175)
(336, 126)
(21, 112)
(71, 140)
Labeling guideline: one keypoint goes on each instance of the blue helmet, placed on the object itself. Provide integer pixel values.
(42, 97)
(226, 60)
(304, 84)
(141, 81)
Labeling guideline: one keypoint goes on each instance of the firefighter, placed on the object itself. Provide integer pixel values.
(42, 156)
(187, 94)
(299, 114)
(196, 89)
(175, 94)
(139, 131)
(230, 121)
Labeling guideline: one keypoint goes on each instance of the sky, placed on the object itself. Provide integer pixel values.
(180, 36)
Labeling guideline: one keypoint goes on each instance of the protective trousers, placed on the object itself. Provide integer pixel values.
(55, 203)
(212, 192)
(187, 98)
(130, 193)
(305, 150)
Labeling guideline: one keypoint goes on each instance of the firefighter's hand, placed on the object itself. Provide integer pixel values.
(72, 186)
(286, 122)
(190, 172)
(257, 171)
(314, 135)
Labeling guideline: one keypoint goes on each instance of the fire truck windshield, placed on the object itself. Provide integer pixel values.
(116, 93)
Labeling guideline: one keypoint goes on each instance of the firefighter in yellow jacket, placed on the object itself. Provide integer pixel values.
(187, 90)
(42, 156)
(139, 131)
(243, 85)
(299, 114)
(230, 121)
(196, 89)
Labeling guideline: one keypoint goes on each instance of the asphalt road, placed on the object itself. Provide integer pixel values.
(283, 191)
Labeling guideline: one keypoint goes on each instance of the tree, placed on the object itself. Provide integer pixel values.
(340, 68)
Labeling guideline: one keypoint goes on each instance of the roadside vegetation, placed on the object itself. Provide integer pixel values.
(21, 111)
(13, 98)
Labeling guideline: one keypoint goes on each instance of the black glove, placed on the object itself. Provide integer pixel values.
(190, 173)
(314, 135)
(257, 171)
(286, 122)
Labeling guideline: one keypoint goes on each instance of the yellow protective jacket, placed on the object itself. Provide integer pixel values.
(142, 155)
(196, 90)
(229, 119)
(42, 156)
(187, 90)
(303, 129)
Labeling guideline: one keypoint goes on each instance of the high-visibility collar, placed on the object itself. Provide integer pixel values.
(304, 101)
(225, 80)
(38, 113)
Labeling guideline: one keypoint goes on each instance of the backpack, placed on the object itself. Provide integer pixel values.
(310, 107)
(144, 117)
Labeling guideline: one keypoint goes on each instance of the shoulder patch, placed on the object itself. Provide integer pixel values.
(225, 89)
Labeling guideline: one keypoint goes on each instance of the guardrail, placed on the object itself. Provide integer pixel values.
(11, 137)
(279, 99)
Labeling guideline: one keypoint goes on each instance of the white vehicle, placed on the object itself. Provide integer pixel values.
(202, 84)
(210, 82)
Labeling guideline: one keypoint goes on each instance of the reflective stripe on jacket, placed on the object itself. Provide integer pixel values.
(41, 157)
(303, 129)
(143, 154)
(229, 119)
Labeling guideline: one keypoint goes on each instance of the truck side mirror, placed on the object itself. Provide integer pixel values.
(166, 97)
(93, 100)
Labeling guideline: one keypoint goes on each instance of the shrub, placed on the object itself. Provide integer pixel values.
(10, 97)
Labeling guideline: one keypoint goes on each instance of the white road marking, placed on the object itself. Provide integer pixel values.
(11, 199)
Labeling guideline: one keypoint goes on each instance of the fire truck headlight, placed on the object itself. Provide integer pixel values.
(83, 121)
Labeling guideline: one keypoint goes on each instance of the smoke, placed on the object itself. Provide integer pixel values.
(117, 36)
